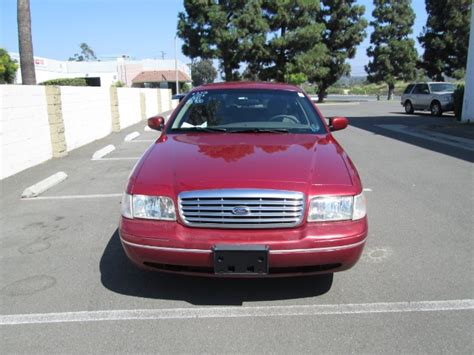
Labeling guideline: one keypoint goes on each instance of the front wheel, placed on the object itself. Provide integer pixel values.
(408, 107)
(436, 109)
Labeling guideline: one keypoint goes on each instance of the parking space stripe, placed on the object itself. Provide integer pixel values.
(236, 312)
(124, 158)
(142, 140)
(67, 197)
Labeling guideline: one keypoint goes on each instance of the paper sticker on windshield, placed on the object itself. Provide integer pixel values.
(198, 97)
(300, 94)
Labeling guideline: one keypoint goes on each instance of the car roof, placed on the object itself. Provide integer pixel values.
(248, 85)
(432, 82)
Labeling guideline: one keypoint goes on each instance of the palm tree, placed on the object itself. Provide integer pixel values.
(27, 64)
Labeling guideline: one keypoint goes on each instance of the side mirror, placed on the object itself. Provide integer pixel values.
(156, 122)
(338, 123)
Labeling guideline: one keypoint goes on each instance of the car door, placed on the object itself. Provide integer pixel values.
(421, 94)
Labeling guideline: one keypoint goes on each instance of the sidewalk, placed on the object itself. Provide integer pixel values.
(453, 128)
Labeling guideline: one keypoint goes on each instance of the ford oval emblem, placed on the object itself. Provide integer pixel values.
(241, 211)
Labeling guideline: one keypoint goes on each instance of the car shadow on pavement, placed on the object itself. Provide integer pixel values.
(119, 275)
(423, 124)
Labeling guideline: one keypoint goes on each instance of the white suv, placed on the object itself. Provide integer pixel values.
(435, 96)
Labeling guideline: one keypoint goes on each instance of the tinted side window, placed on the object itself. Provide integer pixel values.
(421, 89)
(408, 89)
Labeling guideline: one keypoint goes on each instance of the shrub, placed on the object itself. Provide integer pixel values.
(118, 84)
(66, 82)
(457, 100)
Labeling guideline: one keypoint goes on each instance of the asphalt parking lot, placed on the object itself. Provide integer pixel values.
(66, 285)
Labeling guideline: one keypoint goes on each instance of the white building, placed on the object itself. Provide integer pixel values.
(107, 72)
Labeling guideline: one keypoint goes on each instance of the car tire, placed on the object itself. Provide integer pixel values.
(436, 109)
(408, 107)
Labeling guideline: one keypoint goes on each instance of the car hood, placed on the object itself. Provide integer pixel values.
(194, 161)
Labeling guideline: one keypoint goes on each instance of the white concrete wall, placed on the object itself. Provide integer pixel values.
(129, 106)
(468, 104)
(151, 100)
(174, 104)
(25, 139)
(86, 114)
(166, 99)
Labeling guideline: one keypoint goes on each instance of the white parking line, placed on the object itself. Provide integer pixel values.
(67, 197)
(457, 142)
(368, 190)
(147, 129)
(234, 312)
(125, 158)
(103, 152)
(131, 136)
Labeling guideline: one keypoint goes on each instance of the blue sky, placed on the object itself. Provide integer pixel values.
(139, 28)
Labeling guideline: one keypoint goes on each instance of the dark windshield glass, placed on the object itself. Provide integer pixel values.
(247, 110)
(442, 87)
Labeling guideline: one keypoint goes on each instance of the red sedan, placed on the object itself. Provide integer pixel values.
(245, 180)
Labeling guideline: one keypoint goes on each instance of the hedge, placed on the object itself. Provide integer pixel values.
(458, 99)
(66, 82)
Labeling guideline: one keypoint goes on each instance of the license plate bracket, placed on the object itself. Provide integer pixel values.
(240, 259)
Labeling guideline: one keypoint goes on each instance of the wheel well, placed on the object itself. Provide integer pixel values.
(407, 100)
(435, 101)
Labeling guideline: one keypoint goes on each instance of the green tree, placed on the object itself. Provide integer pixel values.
(86, 55)
(295, 42)
(393, 53)
(25, 43)
(445, 38)
(8, 67)
(209, 30)
(345, 30)
(296, 78)
(203, 72)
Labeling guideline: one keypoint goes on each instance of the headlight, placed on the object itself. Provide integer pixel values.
(337, 208)
(149, 207)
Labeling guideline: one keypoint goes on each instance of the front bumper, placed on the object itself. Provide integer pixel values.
(312, 248)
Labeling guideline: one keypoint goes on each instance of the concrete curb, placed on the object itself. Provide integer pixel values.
(103, 152)
(43, 185)
(131, 136)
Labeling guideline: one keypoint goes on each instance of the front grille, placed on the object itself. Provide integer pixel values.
(241, 208)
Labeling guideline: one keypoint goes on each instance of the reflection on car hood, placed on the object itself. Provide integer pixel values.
(236, 160)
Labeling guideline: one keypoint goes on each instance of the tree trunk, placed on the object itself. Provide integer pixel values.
(27, 64)
(391, 89)
(321, 94)
(229, 76)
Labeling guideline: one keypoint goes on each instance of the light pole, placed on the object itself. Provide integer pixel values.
(176, 63)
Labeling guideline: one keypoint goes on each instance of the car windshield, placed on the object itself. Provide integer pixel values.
(243, 110)
(442, 87)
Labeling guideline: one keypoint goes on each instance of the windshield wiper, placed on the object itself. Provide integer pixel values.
(261, 130)
(203, 129)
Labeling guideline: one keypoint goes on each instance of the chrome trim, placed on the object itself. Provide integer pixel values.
(221, 202)
(315, 250)
(182, 250)
(283, 251)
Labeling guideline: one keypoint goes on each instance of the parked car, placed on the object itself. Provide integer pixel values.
(435, 96)
(245, 180)
(178, 97)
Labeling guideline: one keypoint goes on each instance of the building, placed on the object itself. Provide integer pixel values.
(156, 72)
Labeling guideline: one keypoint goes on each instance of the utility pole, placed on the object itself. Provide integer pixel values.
(162, 54)
(176, 62)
